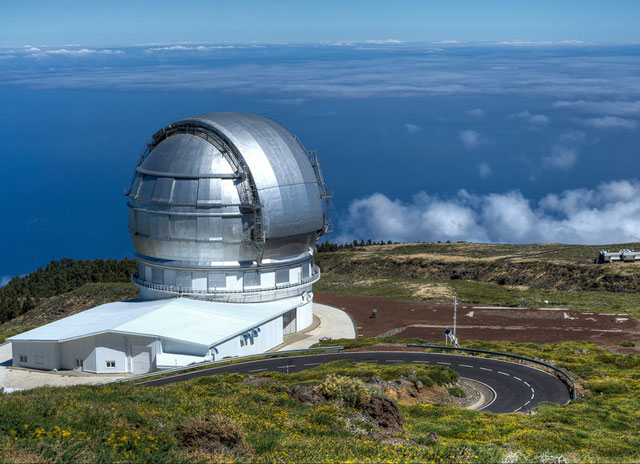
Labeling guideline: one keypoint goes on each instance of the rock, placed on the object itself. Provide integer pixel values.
(306, 394)
(376, 379)
(419, 385)
(384, 413)
(411, 393)
(433, 436)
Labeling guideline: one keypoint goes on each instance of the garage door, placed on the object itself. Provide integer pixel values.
(140, 359)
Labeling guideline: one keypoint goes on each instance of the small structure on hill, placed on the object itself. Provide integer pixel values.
(624, 256)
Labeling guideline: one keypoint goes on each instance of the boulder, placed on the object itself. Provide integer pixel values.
(384, 413)
(306, 394)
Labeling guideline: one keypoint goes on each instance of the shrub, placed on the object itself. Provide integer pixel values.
(627, 344)
(351, 390)
(213, 435)
(455, 391)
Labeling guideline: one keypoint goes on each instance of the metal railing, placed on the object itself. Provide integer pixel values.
(573, 391)
(174, 370)
(246, 294)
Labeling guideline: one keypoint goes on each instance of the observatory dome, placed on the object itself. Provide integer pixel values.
(226, 206)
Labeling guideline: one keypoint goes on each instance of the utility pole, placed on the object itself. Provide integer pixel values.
(455, 311)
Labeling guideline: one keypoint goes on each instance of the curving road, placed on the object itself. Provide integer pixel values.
(516, 387)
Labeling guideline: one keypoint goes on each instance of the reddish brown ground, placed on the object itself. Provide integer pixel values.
(428, 320)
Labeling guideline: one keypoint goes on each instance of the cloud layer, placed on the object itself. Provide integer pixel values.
(609, 213)
(355, 70)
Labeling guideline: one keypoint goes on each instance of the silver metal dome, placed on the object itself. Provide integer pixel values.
(224, 191)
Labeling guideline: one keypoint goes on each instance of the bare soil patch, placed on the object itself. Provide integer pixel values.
(429, 319)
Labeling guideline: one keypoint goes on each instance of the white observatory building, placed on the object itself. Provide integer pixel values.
(224, 213)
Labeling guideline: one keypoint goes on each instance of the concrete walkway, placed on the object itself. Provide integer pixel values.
(334, 323)
(12, 378)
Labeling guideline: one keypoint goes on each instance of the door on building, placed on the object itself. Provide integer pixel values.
(289, 322)
(140, 359)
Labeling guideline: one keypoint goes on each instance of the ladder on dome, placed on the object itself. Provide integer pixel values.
(325, 194)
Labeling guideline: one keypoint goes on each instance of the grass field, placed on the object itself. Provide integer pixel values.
(125, 423)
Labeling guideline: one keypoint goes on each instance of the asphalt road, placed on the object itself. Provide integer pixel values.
(516, 387)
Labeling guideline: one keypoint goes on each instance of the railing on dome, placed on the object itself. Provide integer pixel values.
(247, 295)
(325, 194)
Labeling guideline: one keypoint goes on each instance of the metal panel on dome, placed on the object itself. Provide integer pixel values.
(162, 190)
(146, 188)
(209, 192)
(185, 155)
(185, 191)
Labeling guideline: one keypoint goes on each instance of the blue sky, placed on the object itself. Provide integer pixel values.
(101, 23)
(530, 135)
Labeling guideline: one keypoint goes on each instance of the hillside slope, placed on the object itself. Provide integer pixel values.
(59, 306)
(511, 275)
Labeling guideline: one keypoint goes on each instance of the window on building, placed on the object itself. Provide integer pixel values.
(282, 276)
(39, 359)
(78, 362)
(23, 358)
(111, 364)
(251, 279)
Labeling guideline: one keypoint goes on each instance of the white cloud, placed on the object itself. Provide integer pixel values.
(197, 48)
(609, 213)
(411, 128)
(384, 41)
(469, 138)
(65, 51)
(561, 157)
(611, 122)
(484, 170)
(618, 108)
(476, 113)
(564, 154)
(533, 119)
(38, 53)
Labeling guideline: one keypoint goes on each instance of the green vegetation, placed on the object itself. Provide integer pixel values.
(455, 391)
(233, 417)
(22, 294)
(56, 307)
(541, 275)
(351, 390)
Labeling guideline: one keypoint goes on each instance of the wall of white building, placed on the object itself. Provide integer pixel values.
(304, 316)
(82, 349)
(251, 279)
(181, 347)
(38, 355)
(90, 354)
(270, 335)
